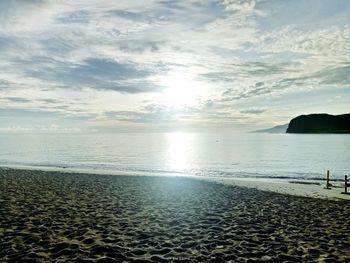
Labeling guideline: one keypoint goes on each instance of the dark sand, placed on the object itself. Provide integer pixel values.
(57, 217)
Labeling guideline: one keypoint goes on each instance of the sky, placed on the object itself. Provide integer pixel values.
(170, 65)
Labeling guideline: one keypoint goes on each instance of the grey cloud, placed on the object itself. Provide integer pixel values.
(196, 13)
(253, 111)
(4, 84)
(95, 73)
(7, 6)
(174, 4)
(261, 88)
(17, 99)
(339, 75)
(256, 90)
(276, 86)
(80, 16)
(259, 84)
(49, 101)
(9, 45)
(135, 16)
(57, 45)
(60, 107)
(261, 68)
(161, 13)
(248, 70)
(140, 46)
(290, 82)
(5, 42)
(96, 69)
(218, 76)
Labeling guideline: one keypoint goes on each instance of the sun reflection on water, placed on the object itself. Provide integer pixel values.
(179, 150)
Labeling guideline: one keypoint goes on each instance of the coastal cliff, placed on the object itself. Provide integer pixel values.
(320, 123)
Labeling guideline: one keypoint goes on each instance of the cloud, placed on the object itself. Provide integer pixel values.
(335, 76)
(80, 17)
(53, 128)
(149, 114)
(16, 99)
(97, 73)
(330, 44)
(4, 84)
(161, 114)
(246, 70)
(253, 111)
(9, 8)
(251, 92)
(140, 46)
(25, 113)
(135, 16)
(49, 101)
(241, 6)
(5, 42)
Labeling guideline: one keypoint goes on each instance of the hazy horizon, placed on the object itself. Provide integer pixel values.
(159, 65)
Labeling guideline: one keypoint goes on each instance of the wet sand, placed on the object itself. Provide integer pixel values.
(62, 217)
(298, 188)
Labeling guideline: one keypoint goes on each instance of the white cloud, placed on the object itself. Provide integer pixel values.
(242, 6)
(327, 45)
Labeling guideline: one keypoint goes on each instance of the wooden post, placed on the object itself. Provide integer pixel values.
(346, 184)
(327, 181)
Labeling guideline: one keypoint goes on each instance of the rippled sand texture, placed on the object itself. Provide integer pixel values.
(59, 217)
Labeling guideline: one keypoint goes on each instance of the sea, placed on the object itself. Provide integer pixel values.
(251, 156)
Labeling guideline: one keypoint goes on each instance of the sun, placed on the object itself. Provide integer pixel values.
(180, 89)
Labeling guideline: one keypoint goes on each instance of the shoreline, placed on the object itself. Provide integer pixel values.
(287, 188)
(294, 187)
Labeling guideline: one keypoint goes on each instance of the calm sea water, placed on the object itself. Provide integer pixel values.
(276, 156)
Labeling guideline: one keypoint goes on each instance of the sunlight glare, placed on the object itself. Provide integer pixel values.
(180, 89)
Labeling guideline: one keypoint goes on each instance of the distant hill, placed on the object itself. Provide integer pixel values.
(276, 129)
(320, 123)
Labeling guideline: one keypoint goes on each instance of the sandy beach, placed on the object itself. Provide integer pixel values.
(48, 216)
